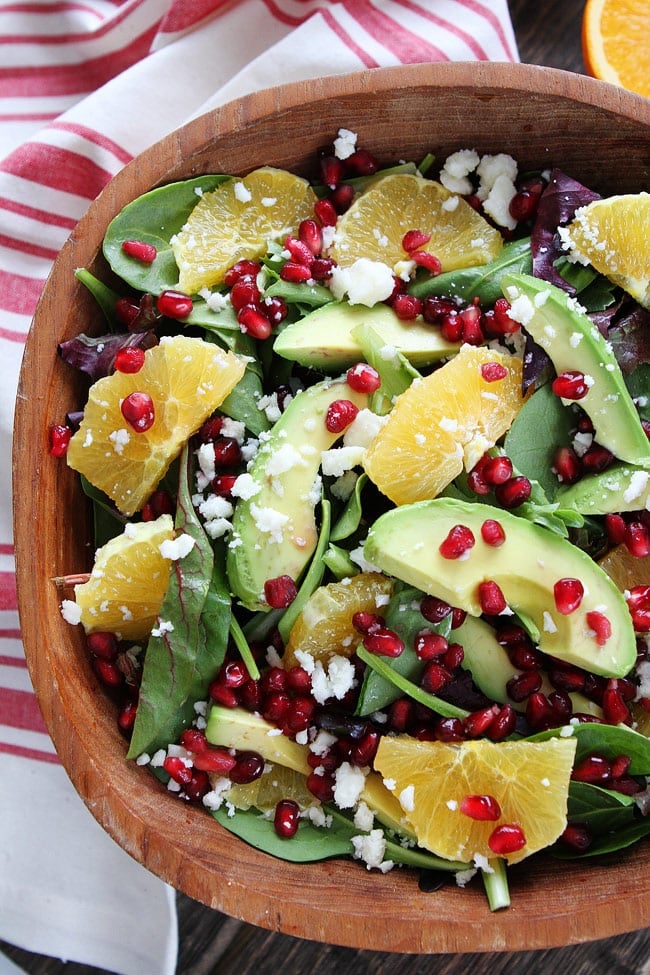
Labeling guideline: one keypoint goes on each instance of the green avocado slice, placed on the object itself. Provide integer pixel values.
(566, 333)
(621, 487)
(405, 542)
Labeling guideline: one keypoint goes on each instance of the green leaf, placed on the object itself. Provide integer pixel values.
(405, 686)
(103, 295)
(180, 661)
(350, 518)
(608, 740)
(308, 296)
(339, 563)
(541, 425)
(481, 282)
(154, 218)
(638, 384)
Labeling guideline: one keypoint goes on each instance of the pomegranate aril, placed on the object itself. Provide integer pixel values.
(177, 769)
(561, 707)
(481, 808)
(507, 838)
(299, 251)
(521, 686)
(174, 304)
(286, 818)
(435, 677)
(539, 712)
(426, 260)
(414, 239)
(108, 672)
(594, 769)
(160, 503)
(497, 470)
(492, 372)
(491, 598)
(458, 542)
(570, 385)
(362, 163)
(250, 695)
(227, 452)
(615, 708)
(475, 480)
(600, 626)
(130, 359)
(326, 212)
(523, 206)
(566, 679)
(471, 330)
(514, 492)
(524, 655)
(596, 459)
(140, 250)
(453, 656)
(216, 760)
(451, 327)
(243, 268)
(60, 437)
(365, 622)
(340, 415)
(194, 740)
(138, 410)
(321, 786)
(126, 717)
(577, 837)
(499, 321)
(321, 268)
(342, 197)
(223, 484)
(126, 312)
(254, 322)
(227, 697)
(276, 707)
(449, 729)
(363, 378)
(430, 645)
(620, 766)
(233, 674)
(503, 724)
(311, 236)
(568, 594)
(492, 533)
(566, 465)
(637, 539)
(407, 307)
(615, 527)
(434, 609)
(280, 592)
(247, 768)
(198, 786)
(477, 722)
(363, 752)
(384, 643)
(299, 714)
(244, 292)
(275, 309)
(434, 309)
(400, 714)
(274, 679)
(102, 644)
(332, 171)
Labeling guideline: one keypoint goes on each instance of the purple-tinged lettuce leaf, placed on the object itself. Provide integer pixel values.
(96, 355)
(536, 363)
(558, 203)
(629, 335)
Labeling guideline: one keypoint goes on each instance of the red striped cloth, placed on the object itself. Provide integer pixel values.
(84, 86)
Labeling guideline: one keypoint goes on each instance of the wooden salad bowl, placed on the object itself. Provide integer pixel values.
(598, 134)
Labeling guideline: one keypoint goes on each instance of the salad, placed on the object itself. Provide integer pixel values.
(369, 463)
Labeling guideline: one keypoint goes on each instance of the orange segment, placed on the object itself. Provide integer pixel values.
(128, 581)
(529, 780)
(375, 224)
(612, 236)
(324, 627)
(616, 42)
(187, 379)
(443, 423)
(625, 569)
(235, 221)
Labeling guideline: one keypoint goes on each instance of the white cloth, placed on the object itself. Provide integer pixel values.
(84, 88)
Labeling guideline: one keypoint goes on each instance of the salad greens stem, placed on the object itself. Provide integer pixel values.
(437, 704)
(241, 643)
(496, 884)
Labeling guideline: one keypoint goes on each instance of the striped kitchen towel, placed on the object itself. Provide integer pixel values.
(85, 85)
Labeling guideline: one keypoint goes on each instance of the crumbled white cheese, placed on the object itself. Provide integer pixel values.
(407, 798)
(71, 612)
(336, 681)
(245, 487)
(164, 626)
(455, 172)
(497, 202)
(269, 521)
(549, 623)
(345, 144)
(371, 848)
(349, 781)
(242, 193)
(338, 460)
(177, 548)
(638, 484)
(363, 429)
(119, 439)
(365, 282)
(364, 818)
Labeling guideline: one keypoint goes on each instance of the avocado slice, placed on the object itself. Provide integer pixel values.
(566, 333)
(622, 487)
(243, 731)
(404, 542)
(324, 340)
(274, 529)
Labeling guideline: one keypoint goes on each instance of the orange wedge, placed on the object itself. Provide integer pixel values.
(616, 42)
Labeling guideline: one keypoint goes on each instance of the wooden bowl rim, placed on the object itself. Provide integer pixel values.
(334, 902)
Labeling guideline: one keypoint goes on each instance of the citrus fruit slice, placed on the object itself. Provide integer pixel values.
(324, 627)
(624, 569)
(612, 235)
(275, 783)
(443, 423)
(375, 225)
(186, 380)
(528, 780)
(616, 42)
(235, 221)
(128, 581)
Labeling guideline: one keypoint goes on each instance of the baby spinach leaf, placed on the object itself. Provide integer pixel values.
(103, 295)
(638, 384)
(396, 373)
(541, 426)
(310, 844)
(481, 282)
(350, 518)
(180, 661)
(338, 562)
(154, 218)
(608, 740)
(305, 296)
(405, 686)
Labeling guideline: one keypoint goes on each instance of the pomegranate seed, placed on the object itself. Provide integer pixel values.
(492, 372)
(326, 212)
(492, 533)
(503, 723)
(126, 717)
(321, 786)
(597, 459)
(223, 484)
(453, 656)
(298, 680)
(458, 542)
(299, 714)
(497, 470)
(566, 679)
(243, 268)
(524, 656)
(227, 697)
(321, 268)
(233, 674)
(478, 722)
(363, 378)
(251, 695)
(506, 838)
(539, 713)
(342, 197)
(363, 752)
(637, 539)
(365, 622)
(177, 769)
(523, 206)
(275, 309)
(434, 309)
(615, 710)
(407, 307)
(566, 465)
(311, 235)
(138, 411)
(60, 437)
(491, 599)
(521, 686)
(216, 760)
(227, 452)
(108, 672)
(129, 359)
(400, 714)
(414, 239)
(435, 677)
(615, 527)
(276, 707)
(247, 768)
(362, 163)
(570, 385)
(211, 429)
(458, 617)
(280, 592)
(384, 643)
(299, 250)
(194, 740)
(174, 304)
(514, 492)
(481, 808)
(340, 415)
(126, 312)
(594, 769)
(577, 836)
(426, 260)
(449, 729)
(601, 627)
(511, 633)
(159, 503)
(568, 595)
(332, 171)
(102, 645)
(497, 320)
(244, 292)
(434, 610)
(451, 327)
(140, 250)
(198, 786)
(620, 766)
(430, 645)
(274, 679)
(286, 818)
(254, 322)
(475, 479)
(471, 331)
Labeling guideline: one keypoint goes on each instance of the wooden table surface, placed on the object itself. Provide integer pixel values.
(548, 32)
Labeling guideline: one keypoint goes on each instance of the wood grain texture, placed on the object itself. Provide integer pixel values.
(397, 115)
